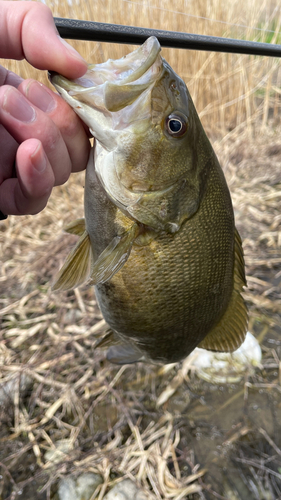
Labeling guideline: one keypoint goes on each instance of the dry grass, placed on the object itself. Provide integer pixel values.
(145, 422)
(67, 391)
(228, 89)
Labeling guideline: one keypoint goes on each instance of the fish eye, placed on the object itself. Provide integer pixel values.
(176, 125)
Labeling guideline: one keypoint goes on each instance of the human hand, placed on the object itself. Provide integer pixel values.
(42, 140)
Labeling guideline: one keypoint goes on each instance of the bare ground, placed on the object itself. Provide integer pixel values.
(175, 435)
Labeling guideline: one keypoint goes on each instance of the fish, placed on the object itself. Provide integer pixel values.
(158, 240)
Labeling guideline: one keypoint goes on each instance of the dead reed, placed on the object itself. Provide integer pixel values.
(228, 89)
(60, 395)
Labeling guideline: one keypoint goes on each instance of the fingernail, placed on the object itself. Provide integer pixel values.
(38, 159)
(40, 97)
(72, 50)
(17, 106)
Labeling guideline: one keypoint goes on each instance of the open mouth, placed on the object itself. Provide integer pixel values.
(113, 85)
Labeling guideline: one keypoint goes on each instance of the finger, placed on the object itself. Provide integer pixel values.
(28, 193)
(69, 124)
(24, 121)
(9, 78)
(27, 30)
(8, 153)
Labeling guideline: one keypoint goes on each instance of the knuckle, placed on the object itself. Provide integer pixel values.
(51, 139)
(4, 75)
(71, 126)
(57, 152)
(42, 9)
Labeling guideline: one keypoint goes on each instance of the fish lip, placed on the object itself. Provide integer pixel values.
(142, 58)
(111, 77)
(152, 47)
(94, 98)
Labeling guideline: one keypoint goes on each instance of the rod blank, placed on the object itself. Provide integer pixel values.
(117, 33)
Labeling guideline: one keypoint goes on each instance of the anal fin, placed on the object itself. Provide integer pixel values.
(119, 353)
(109, 339)
(229, 333)
(124, 354)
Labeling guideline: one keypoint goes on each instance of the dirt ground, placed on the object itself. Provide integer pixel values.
(204, 440)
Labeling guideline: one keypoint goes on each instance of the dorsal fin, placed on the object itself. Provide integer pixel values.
(229, 333)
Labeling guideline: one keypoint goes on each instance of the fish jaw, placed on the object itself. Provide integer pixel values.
(98, 123)
(106, 89)
(127, 104)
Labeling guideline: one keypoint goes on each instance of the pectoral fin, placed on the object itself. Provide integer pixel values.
(229, 333)
(76, 268)
(76, 227)
(113, 257)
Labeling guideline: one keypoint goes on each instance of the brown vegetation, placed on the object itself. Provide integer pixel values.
(65, 390)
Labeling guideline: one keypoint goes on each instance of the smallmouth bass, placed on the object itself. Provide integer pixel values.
(158, 240)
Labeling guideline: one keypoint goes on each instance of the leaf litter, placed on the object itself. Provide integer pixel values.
(161, 427)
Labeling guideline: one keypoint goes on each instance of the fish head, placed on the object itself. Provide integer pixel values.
(104, 95)
(148, 135)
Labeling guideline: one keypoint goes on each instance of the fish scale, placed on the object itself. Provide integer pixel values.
(149, 299)
(159, 240)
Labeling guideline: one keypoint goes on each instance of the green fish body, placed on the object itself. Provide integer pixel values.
(158, 240)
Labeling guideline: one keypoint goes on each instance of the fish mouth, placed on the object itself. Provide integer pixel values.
(119, 100)
(109, 95)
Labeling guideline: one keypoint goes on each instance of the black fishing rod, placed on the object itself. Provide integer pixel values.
(76, 29)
